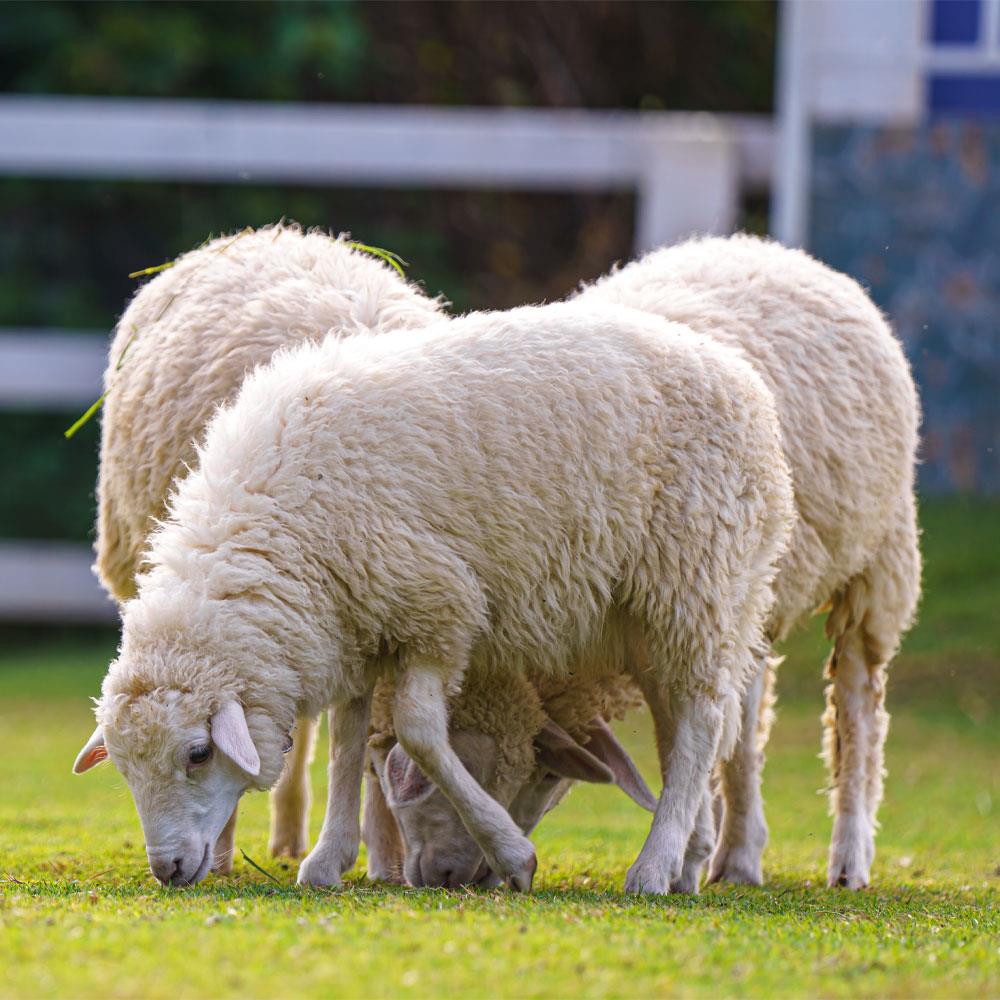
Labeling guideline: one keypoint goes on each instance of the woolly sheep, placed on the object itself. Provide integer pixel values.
(547, 482)
(181, 349)
(849, 416)
(525, 740)
(216, 313)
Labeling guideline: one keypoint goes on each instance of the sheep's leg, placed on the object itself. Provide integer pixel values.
(291, 796)
(743, 830)
(225, 846)
(856, 728)
(336, 849)
(866, 622)
(420, 714)
(381, 835)
(699, 848)
(688, 729)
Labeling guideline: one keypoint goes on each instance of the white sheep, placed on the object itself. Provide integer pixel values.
(849, 417)
(182, 348)
(542, 483)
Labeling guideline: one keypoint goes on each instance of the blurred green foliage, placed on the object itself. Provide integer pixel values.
(67, 246)
(687, 54)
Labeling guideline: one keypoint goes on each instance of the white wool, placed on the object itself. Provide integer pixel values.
(505, 486)
(188, 338)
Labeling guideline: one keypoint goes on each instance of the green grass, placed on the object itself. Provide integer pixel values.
(80, 916)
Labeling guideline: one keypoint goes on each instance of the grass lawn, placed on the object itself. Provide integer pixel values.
(80, 916)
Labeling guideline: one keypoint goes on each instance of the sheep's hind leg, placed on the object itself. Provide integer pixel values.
(292, 796)
(866, 622)
(336, 849)
(743, 829)
(420, 713)
(381, 835)
(688, 728)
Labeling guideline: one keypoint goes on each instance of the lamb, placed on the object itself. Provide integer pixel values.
(181, 349)
(849, 417)
(570, 484)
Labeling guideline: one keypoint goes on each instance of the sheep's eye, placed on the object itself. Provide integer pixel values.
(199, 754)
(288, 743)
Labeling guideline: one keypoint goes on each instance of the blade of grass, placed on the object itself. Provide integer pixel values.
(263, 871)
(392, 259)
(152, 270)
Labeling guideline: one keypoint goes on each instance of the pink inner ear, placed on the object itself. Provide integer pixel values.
(95, 757)
(407, 782)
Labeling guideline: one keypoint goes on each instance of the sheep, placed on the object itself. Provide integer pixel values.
(181, 348)
(558, 482)
(849, 417)
(526, 742)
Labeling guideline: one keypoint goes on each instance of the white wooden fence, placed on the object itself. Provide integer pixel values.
(687, 172)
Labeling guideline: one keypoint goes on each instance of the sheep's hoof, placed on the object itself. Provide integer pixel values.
(289, 843)
(689, 882)
(519, 875)
(850, 862)
(320, 868)
(737, 866)
(385, 874)
(645, 879)
(846, 879)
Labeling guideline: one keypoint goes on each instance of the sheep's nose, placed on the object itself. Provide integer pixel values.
(440, 870)
(166, 870)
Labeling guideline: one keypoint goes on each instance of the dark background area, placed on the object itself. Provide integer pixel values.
(66, 247)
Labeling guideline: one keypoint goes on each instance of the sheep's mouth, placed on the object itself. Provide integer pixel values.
(200, 872)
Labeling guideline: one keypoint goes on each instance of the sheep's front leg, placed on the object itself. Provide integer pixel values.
(336, 849)
(743, 832)
(699, 848)
(420, 714)
(291, 796)
(381, 835)
(688, 728)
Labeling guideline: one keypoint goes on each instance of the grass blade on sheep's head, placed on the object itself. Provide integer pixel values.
(392, 259)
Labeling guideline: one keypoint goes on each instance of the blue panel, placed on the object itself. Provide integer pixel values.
(955, 22)
(964, 94)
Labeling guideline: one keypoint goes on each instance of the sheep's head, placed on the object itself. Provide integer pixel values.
(518, 754)
(186, 733)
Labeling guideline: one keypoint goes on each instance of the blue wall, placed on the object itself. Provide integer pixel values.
(914, 214)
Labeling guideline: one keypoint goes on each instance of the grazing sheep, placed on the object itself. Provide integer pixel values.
(180, 350)
(849, 416)
(525, 743)
(561, 483)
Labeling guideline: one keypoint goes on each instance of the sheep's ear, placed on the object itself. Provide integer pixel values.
(557, 751)
(604, 745)
(231, 736)
(92, 754)
(404, 783)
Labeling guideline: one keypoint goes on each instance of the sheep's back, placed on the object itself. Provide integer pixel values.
(846, 399)
(185, 343)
